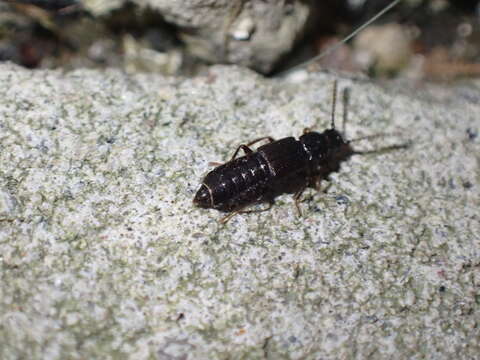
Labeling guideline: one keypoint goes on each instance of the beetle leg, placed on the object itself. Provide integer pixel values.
(297, 197)
(269, 138)
(225, 219)
(246, 148)
(214, 163)
(316, 183)
(270, 204)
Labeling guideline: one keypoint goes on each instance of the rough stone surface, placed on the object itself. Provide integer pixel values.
(252, 33)
(103, 256)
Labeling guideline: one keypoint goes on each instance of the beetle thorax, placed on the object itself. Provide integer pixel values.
(319, 146)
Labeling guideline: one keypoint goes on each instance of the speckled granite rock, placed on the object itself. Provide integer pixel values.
(103, 256)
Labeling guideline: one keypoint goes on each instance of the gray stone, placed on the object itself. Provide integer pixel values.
(102, 254)
(251, 33)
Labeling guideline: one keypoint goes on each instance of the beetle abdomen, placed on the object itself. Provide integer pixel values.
(276, 168)
(235, 184)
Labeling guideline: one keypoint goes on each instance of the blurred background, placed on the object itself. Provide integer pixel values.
(437, 40)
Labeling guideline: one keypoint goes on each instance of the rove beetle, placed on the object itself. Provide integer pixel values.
(280, 166)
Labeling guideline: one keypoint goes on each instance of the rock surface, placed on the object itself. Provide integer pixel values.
(103, 256)
(251, 33)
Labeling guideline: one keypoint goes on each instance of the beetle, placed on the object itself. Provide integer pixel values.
(281, 166)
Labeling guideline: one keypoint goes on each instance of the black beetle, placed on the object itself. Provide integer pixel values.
(281, 166)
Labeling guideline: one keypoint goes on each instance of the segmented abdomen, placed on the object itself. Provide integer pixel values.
(239, 182)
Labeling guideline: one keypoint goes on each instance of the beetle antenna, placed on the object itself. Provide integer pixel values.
(334, 102)
(375, 136)
(382, 150)
(346, 97)
(331, 49)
